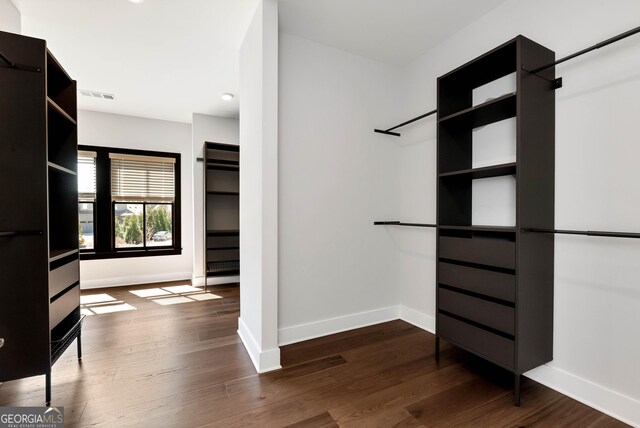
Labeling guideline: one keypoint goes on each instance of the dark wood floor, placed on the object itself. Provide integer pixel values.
(182, 365)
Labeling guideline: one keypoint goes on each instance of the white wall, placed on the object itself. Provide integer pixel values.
(212, 129)
(337, 270)
(597, 291)
(258, 323)
(10, 19)
(111, 130)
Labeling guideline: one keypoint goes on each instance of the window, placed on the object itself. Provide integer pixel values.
(86, 197)
(129, 202)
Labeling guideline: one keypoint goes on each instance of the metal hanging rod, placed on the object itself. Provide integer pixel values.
(396, 134)
(11, 64)
(398, 223)
(12, 233)
(585, 233)
(589, 49)
(557, 83)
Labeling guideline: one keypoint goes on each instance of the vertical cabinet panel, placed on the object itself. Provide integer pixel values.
(24, 307)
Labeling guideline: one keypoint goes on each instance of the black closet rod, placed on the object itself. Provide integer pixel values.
(12, 64)
(587, 50)
(558, 81)
(586, 233)
(398, 223)
(396, 134)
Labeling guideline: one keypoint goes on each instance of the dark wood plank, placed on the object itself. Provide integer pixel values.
(323, 420)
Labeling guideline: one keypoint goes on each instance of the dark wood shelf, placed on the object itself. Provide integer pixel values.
(230, 168)
(59, 254)
(491, 111)
(56, 108)
(223, 147)
(220, 192)
(480, 228)
(223, 232)
(222, 248)
(61, 168)
(483, 172)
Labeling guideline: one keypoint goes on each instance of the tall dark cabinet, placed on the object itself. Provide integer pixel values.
(222, 205)
(40, 284)
(495, 283)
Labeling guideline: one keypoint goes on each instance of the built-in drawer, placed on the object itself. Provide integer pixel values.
(63, 277)
(490, 252)
(489, 283)
(494, 315)
(63, 306)
(490, 346)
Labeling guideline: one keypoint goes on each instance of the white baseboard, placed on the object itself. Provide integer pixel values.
(593, 395)
(198, 281)
(133, 280)
(263, 361)
(302, 332)
(417, 318)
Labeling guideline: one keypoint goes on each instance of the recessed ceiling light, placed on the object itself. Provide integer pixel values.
(226, 96)
(136, 1)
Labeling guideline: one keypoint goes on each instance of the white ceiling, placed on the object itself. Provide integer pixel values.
(391, 31)
(167, 59)
(163, 59)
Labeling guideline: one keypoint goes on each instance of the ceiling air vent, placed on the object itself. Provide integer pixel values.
(94, 94)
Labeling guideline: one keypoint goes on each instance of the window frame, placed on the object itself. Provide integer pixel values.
(104, 216)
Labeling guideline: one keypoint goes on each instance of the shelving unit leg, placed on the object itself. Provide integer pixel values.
(516, 389)
(79, 339)
(437, 353)
(48, 388)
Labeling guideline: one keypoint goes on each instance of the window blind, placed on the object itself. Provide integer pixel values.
(86, 176)
(137, 178)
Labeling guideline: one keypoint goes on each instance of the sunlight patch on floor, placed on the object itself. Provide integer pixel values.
(150, 292)
(113, 308)
(95, 298)
(172, 300)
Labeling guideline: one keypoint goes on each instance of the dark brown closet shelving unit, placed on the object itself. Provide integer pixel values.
(40, 292)
(222, 209)
(495, 283)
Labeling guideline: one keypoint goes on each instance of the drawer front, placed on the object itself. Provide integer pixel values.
(494, 315)
(491, 252)
(63, 306)
(493, 284)
(495, 348)
(62, 277)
